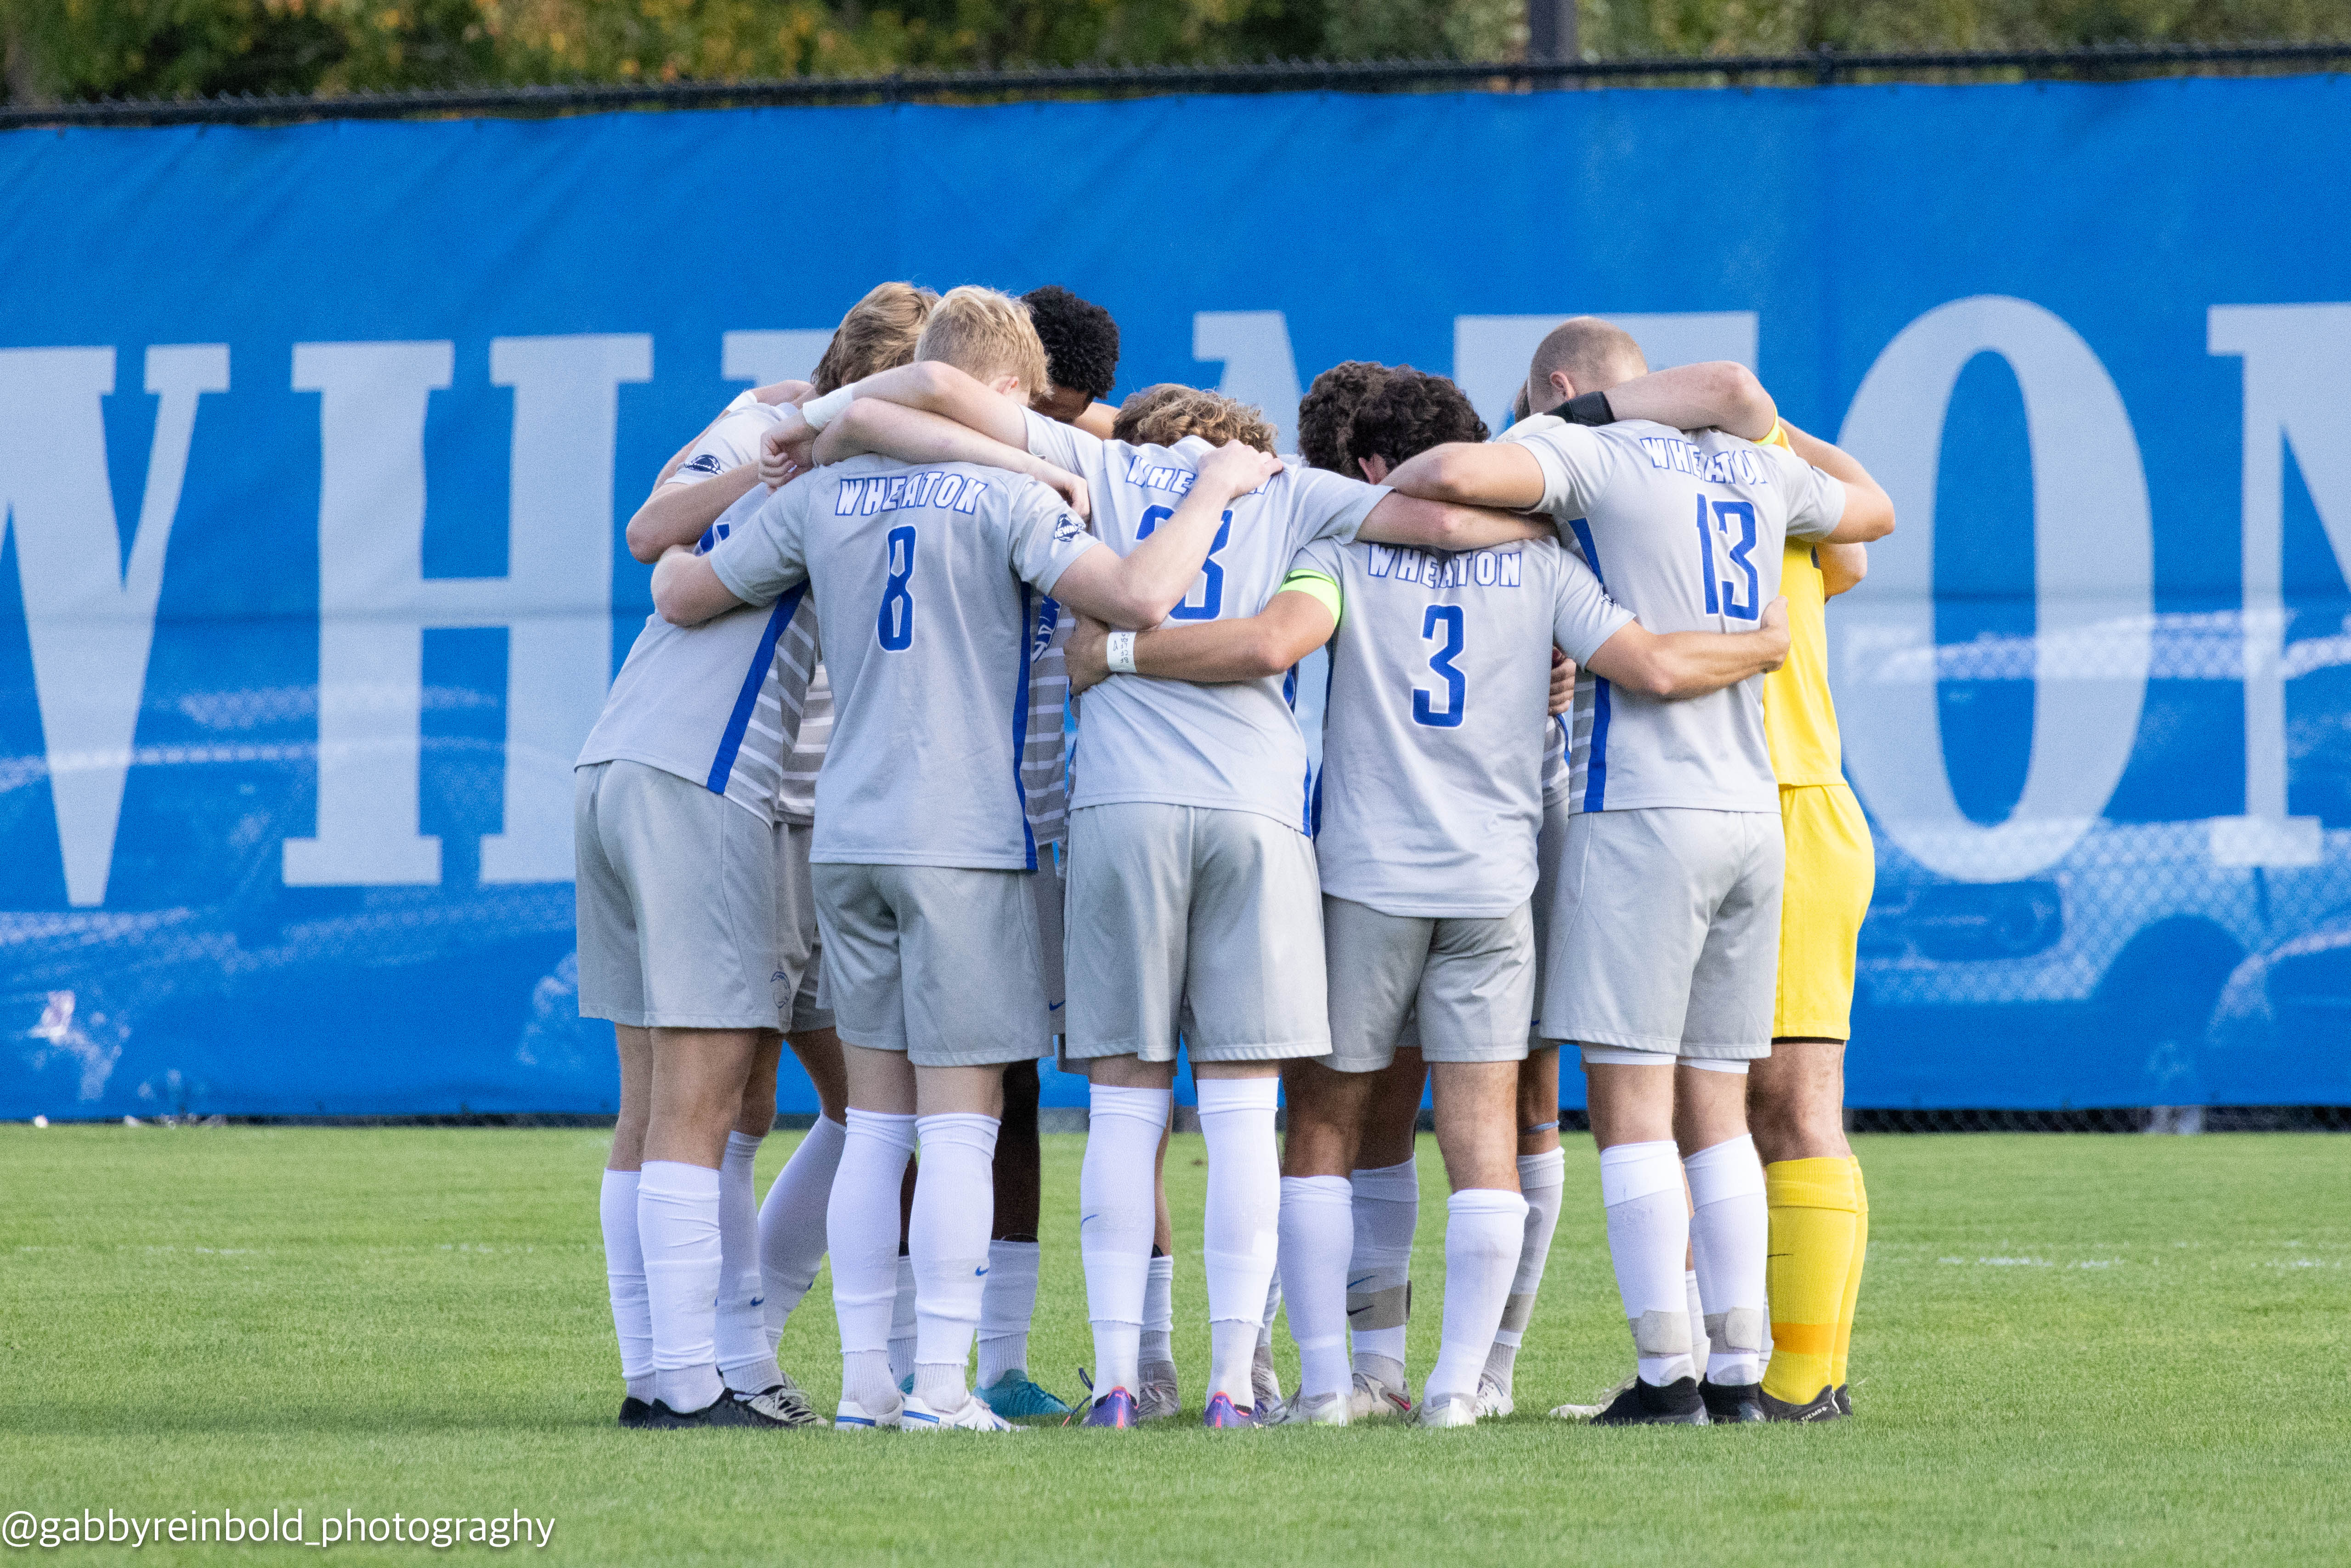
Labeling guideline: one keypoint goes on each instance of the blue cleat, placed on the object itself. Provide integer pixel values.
(1015, 1397)
(1114, 1409)
(1223, 1412)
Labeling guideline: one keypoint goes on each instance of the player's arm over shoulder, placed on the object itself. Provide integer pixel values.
(1835, 500)
(760, 559)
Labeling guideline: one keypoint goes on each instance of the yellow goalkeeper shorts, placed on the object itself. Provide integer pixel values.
(1831, 871)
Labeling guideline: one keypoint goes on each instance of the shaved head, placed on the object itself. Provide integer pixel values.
(1593, 354)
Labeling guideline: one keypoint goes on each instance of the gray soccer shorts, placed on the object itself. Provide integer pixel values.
(1193, 921)
(1049, 890)
(939, 962)
(677, 903)
(1665, 934)
(803, 948)
(1471, 981)
(1550, 847)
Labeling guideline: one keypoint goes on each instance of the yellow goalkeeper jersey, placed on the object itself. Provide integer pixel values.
(1798, 719)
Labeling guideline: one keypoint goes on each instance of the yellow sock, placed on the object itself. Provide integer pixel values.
(1814, 1218)
(1852, 1277)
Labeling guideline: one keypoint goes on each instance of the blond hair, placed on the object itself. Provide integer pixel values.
(1164, 414)
(1595, 354)
(878, 334)
(985, 334)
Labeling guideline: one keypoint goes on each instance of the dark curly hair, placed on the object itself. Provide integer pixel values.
(1411, 412)
(1080, 341)
(1328, 408)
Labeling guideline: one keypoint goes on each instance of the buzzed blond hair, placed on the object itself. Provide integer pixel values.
(1595, 354)
(1164, 414)
(878, 334)
(985, 334)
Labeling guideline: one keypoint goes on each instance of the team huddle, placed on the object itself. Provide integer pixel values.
(1579, 784)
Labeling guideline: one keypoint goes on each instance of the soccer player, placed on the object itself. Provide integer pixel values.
(1795, 1096)
(1663, 941)
(923, 893)
(1431, 797)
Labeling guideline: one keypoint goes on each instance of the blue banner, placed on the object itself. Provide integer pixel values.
(316, 444)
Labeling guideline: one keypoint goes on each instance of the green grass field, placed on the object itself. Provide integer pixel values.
(2070, 1347)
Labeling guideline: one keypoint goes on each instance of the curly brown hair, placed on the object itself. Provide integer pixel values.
(1412, 412)
(1328, 408)
(1164, 414)
(878, 334)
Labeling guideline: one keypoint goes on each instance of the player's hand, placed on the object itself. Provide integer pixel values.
(1087, 654)
(785, 451)
(1071, 488)
(1562, 683)
(1775, 629)
(1235, 469)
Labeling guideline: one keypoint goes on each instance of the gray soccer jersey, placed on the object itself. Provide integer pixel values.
(1687, 530)
(1556, 773)
(1234, 747)
(927, 578)
(1440, 673)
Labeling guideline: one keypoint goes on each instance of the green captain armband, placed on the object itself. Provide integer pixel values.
(1319, 584)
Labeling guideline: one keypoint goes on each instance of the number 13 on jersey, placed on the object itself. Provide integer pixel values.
(1735, 521)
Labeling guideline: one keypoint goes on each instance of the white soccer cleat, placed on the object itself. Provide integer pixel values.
(1448, 1410)
(971, 1415)
(1265, 1384)
(1493, 1398)
(1157, 1398)
(852, 1417)
(1377, 1399)
(1586, 1412)
(1316, 1410)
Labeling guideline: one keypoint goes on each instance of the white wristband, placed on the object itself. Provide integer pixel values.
(821, 412)
(1119, 654)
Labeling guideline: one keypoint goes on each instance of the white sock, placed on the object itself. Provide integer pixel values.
(1005, 1309)
(1542, 1179)
(745, 1360)
(1118, 1211)
(1379, 1273)
(1484, 1231)
(903, 1330)
(1729, 1235)
(1158, 1346)
(791, 1224)
(862, 1233)
(1242, 1228)
(677, 1224)
(1648, 1235)
(1318, 1236)
(624, 1279)
(1697, 1305)
(955, 1208)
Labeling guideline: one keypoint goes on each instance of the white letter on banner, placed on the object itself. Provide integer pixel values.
(90, 615)
(1491, 353)
(2094, 573)
(375, 603)
(1258, 365)
(764, 358)
(2297, 385)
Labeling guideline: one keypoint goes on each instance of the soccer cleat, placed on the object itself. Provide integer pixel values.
(1447, 1410)
(917, 1414)
(852, 1417)
(1375, 1399)
(1015, 1397)
(1317, 1410)
(1677, 1404)
(1265, 1384)
(635, 1413)
(1821, 1407)
(1223, 1413)
(731, 1408)
(1159, 1397)
(1731, 1403)
(1493, 1397)
(1112, 1408)
(1844, 1397)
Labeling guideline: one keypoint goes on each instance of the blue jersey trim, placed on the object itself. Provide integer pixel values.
(731, 744)
(1595, 769)
(1020, 724)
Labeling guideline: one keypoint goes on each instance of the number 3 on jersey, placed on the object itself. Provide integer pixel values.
(1722, 592)
(1442, 620)
(1207, 599)
(896, 622)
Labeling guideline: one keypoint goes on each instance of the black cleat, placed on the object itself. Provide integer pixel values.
(733, 1408)
(1844, 1398)
(1731, 1403)
(635, 1412)
(1821, 1407)
(1677, 1403)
